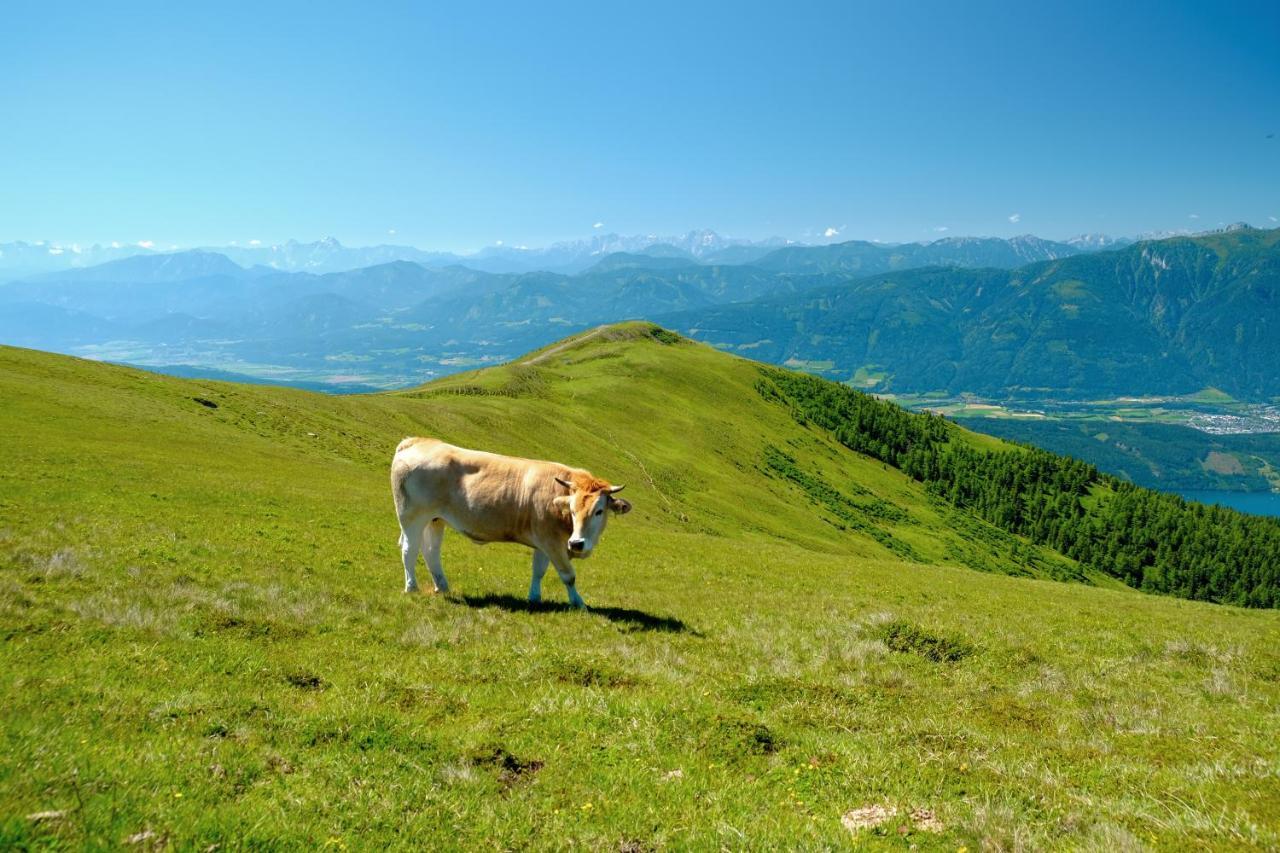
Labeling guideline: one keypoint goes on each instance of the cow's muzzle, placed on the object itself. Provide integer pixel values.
(577, 546)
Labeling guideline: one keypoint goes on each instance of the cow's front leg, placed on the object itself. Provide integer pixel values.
(568, 576)
(540, 562)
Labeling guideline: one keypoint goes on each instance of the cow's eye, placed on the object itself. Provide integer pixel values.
(599, 512)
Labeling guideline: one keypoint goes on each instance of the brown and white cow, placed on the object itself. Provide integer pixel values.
(558, 511)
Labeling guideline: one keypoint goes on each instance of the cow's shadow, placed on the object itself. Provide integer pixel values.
(635, 620)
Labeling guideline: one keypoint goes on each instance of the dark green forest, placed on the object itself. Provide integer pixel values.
(1151, 541)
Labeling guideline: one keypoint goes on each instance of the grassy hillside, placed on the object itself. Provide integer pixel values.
(205, 640)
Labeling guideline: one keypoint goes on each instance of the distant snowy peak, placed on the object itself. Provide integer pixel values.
(20, 259)
(1027, 245)
(996, 251)
(1098, 242)
(697, 243)
(707, 242)
(329, 255)
(573, 256)
(1031, 248)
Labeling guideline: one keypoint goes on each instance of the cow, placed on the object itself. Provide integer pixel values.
(558, 511)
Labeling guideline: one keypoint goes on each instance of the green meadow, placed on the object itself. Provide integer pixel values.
(205, 644)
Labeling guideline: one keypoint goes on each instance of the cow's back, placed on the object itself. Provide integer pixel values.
(485, 495)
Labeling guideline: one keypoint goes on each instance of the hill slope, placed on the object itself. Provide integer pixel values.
(205, 638)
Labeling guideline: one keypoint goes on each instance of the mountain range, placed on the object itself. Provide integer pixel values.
(205, 309)
(22, 259)
(863, 258)
(957, 315)
(1158, 317)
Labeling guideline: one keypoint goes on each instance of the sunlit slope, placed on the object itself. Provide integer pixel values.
(685, 428)
(680, 423)
(204, 636)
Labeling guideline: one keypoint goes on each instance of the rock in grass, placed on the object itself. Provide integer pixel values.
(865, 817)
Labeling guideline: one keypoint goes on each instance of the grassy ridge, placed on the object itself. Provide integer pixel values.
(204, 637)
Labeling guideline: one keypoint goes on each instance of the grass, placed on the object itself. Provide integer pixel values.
(205, 640)
(1212, 395)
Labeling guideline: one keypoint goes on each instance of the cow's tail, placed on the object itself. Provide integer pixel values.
(398, 491)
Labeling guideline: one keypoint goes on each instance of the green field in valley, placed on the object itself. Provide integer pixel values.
(205, 640)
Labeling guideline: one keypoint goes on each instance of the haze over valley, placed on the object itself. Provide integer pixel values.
(1171, 338)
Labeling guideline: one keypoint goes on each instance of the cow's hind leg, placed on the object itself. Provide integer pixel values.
(431, 541)
(540, 562)
(568, 577)
(410, 545)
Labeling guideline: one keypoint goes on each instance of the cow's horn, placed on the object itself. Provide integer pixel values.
(613, 490)
(565, 483)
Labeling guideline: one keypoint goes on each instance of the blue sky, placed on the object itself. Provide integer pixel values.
(527, 123)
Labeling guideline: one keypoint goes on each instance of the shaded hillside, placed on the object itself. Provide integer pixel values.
(1165, 317)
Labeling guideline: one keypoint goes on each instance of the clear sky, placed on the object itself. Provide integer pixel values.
(458, 125)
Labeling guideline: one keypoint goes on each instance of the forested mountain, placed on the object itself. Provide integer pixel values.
(1169, 316)
(1151, 541)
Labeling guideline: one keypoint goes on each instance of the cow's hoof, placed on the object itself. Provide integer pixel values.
(410, 590)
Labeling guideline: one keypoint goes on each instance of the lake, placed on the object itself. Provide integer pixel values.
(1255, 503)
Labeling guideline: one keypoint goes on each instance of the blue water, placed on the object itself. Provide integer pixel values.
(1255, 503)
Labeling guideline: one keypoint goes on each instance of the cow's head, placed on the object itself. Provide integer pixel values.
(587, 507)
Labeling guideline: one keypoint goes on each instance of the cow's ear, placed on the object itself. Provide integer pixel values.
(565, 483)
(563, 510)
(620, 506)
